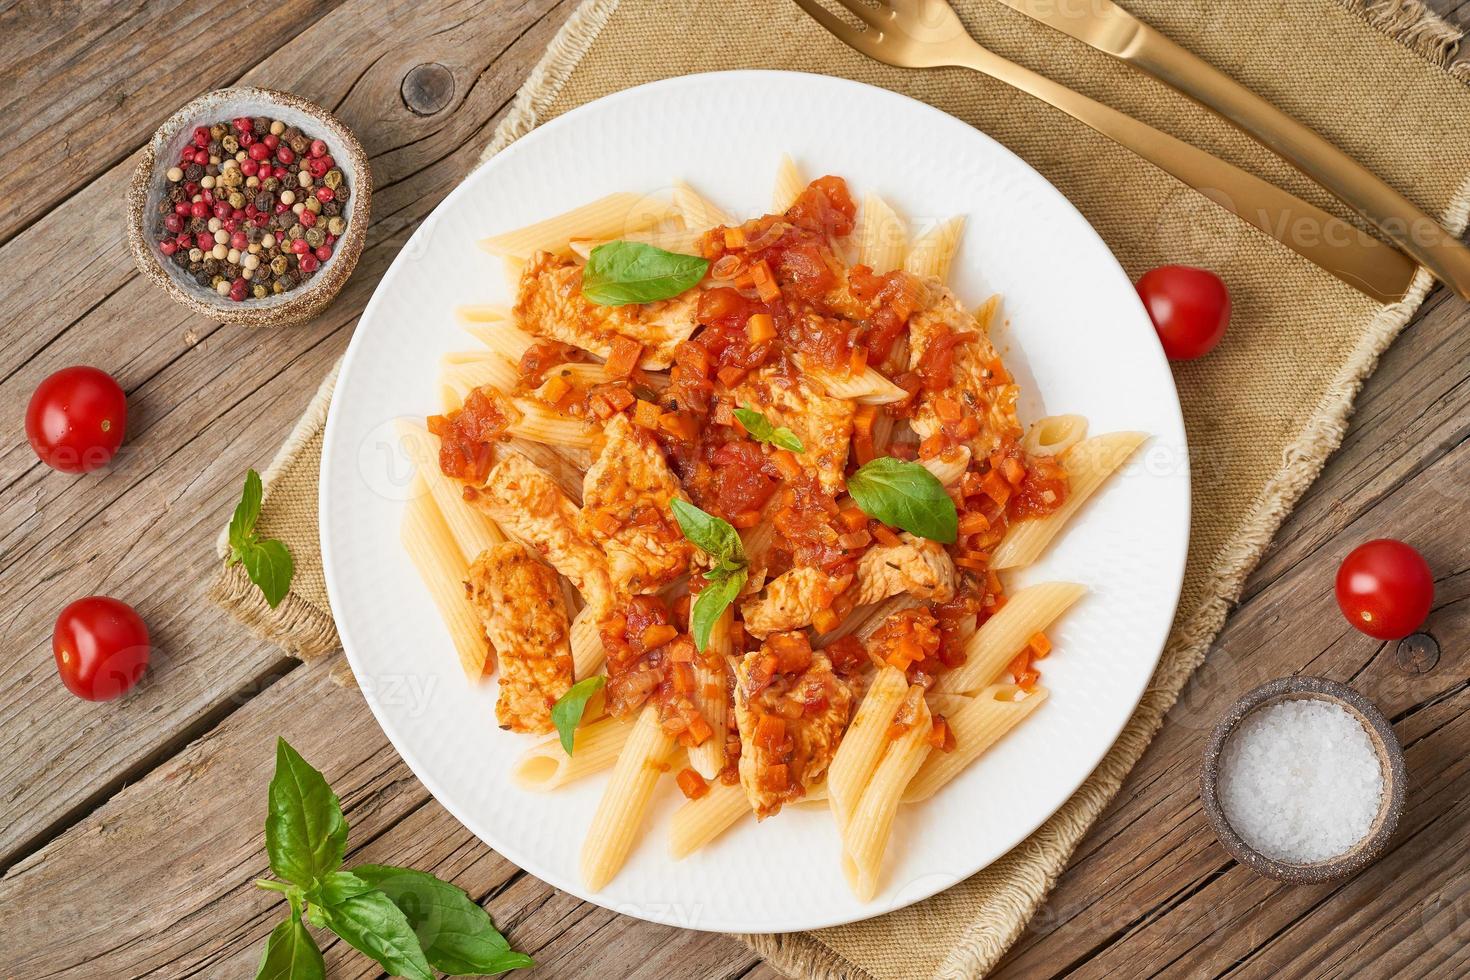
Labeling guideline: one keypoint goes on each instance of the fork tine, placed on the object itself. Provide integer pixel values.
(876, 19)
(865, 41)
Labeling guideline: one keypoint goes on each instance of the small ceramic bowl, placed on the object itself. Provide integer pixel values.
(149, 187)
(1390, 758)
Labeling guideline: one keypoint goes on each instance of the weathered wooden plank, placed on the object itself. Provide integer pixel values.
(202, 409)
(88, 87)
(180, 848)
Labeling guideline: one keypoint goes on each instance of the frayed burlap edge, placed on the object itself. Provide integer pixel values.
(1416, 27)
(296, 626)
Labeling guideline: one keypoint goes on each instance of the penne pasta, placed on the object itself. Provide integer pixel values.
(504, 338)
(711, 696)
(882, 237)
(1088, 464)
(471, 530)
(595, 747)
(587, 651)
(866, 836)
(948, 466)
(682, 240)
(884, 425)
(540, 424)
(867, 735)
(868, 387)
(513, 269)
(700, 821)
(996, 643)
(442, 566)
(491, 369)
(607, 217)
(565, 465)
(976, 727)
(625, 801)
(947, 704)
(1054, 435)
(480, 314)
(699, 213)
(933, 252)
(789, 185)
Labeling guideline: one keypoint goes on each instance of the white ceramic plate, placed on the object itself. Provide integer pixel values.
(1078, 340)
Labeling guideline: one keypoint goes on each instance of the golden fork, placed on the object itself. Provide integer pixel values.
(928, 34)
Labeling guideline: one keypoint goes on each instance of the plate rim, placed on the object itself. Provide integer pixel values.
(522, 858)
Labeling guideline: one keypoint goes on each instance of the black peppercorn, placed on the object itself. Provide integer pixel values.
(193, 172)
(340, 193)
(331, 209)
(202, 278)
(261, 125)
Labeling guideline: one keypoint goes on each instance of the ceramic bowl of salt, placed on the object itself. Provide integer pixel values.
(1303, 780)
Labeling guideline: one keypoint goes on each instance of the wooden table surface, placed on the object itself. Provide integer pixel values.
(130, 831)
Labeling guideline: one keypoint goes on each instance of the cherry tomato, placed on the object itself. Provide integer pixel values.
(101, 647)
(1190, 309)
(76, 419)
(1385, 588)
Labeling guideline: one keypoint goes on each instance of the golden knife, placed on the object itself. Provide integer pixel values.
(1109, 28)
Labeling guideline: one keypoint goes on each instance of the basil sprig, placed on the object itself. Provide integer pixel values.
(566, 714)
(718, 539)
(905, 495)
(267, 561)
(761, 430)
(410, 922)
(619, 273)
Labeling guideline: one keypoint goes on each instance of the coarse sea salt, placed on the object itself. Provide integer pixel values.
(1300, 781)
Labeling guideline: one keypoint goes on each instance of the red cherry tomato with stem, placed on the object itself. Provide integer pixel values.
(1190, 309)
(1385, 589)
(76, 419)
(101, 647)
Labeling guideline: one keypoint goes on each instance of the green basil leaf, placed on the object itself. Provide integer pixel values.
(905, 495)
(269, 565)
(291, 954)
(305, 834)
(456, 934)
(242, 525)
(377, 928)
(337, 887)
(566, 714)
(618, 273)
(761, 430)
(710, 603)
(710, 534)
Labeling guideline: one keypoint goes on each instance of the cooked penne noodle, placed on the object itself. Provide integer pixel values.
(540, 424)
(864, 619)
(565, 465)
(442, 566)
(625, 801)
(949, 466)
(1088, 464)
(1054, 435)
(996, 643)
(595, 747)
(933, 251)
(505, 339)
(862, 746)
(682, 240)
(587, 651)
(789, 185)
(947, 704)
(478, 315)
(472, 530)
(699, 213)
(513, 269)
(866, 835)
(868, 387)
(711, 696)
(697, 822)
(976, 727)
(883, 239)
(491, 369)
(607, 217)
(884, 425)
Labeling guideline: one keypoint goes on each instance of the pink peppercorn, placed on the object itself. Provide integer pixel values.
(199, 209)
(185, 240)
(331, 240)
(173, 222)
(259, 151)
(318, 148)
(248, 167)
(201, 157)
(260, 220)
(281, 207)
(238, 240)
(317, 168)
(278, 172)
(306, 218)
(244, 124)
(299, 246)
(191, 187)
(271, 140)
(285, 154)
(201, 135)
(246, 139)
(308, 262)
(231, 225)
(329, 161)
(167, 247)
(221, 209)
(324, 194)
(323, 252)
(182, 209)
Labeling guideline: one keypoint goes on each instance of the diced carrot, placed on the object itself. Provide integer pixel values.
(825, 621)
(770, 731)
(601, 407)
(977, 560)
(933, 445)
(765, 283)
(730, 376)
(937, 734)
(683, 677)
(618, 398)
(691, 784)
(862, 433)
(760, 327)
(724, 413)
(699, 729)
(657, 635)
(775, 778)
(605, 522)
(853, 518)
(1022, 672)
(1013, 471)
(680, 426)
(647, 414)
(885, 537)
(857, 361)
(556, 390)
(973, 522)
(1039, 645)
(682, 651)
(623, 359)
(745, 518)
(787, 463)
(734, 237)
(995, 487)
(947, 409)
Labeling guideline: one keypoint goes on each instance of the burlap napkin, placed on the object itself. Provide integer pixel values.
(1263, 412)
